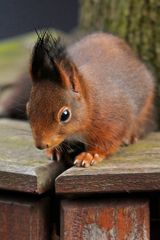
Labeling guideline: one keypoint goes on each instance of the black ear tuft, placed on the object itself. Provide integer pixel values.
(47, 53)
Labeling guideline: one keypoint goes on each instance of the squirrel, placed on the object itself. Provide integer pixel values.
(95, 92)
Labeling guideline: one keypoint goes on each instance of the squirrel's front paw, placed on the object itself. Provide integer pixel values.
(86, 159)
(53, 154)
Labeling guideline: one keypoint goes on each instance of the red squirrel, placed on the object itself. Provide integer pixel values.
(95, 92)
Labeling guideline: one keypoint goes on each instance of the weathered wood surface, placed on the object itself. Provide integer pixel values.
(133, 168)
(25, 219)
(110, 219)
(22, 166)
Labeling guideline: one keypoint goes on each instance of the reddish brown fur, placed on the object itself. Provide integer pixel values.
(111, 102)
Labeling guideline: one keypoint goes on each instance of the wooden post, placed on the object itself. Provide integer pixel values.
(25, 219)
(105, 220)
(23, 170)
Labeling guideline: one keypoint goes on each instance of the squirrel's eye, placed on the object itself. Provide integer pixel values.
(65, 115)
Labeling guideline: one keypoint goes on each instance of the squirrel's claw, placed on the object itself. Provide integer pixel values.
(127, 141)
(57, 155)
(86, 159)
(53, 155)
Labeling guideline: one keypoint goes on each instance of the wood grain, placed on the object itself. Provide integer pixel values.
(133, 169)
(110, 219)
(22, 166)
(24, 219)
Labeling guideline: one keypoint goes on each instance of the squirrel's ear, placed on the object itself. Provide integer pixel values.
(42, 65)
(50, 61)
(69, 75)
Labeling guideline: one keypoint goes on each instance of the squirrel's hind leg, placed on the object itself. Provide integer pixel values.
(130, 140)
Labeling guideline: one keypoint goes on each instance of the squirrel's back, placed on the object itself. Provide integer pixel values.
(110, 67)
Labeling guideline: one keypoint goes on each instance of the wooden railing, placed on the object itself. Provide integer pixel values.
(40, 200)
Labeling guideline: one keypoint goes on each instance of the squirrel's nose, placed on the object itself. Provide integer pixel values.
(42, 146)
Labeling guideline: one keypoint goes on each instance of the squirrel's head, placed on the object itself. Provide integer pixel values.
(56, 108)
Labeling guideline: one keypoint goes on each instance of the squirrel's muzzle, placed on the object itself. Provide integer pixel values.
(42, 146)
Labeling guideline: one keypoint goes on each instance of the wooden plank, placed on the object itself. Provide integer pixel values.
(25, 219)
(105, 219)
(133, 169)
(22, 166)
